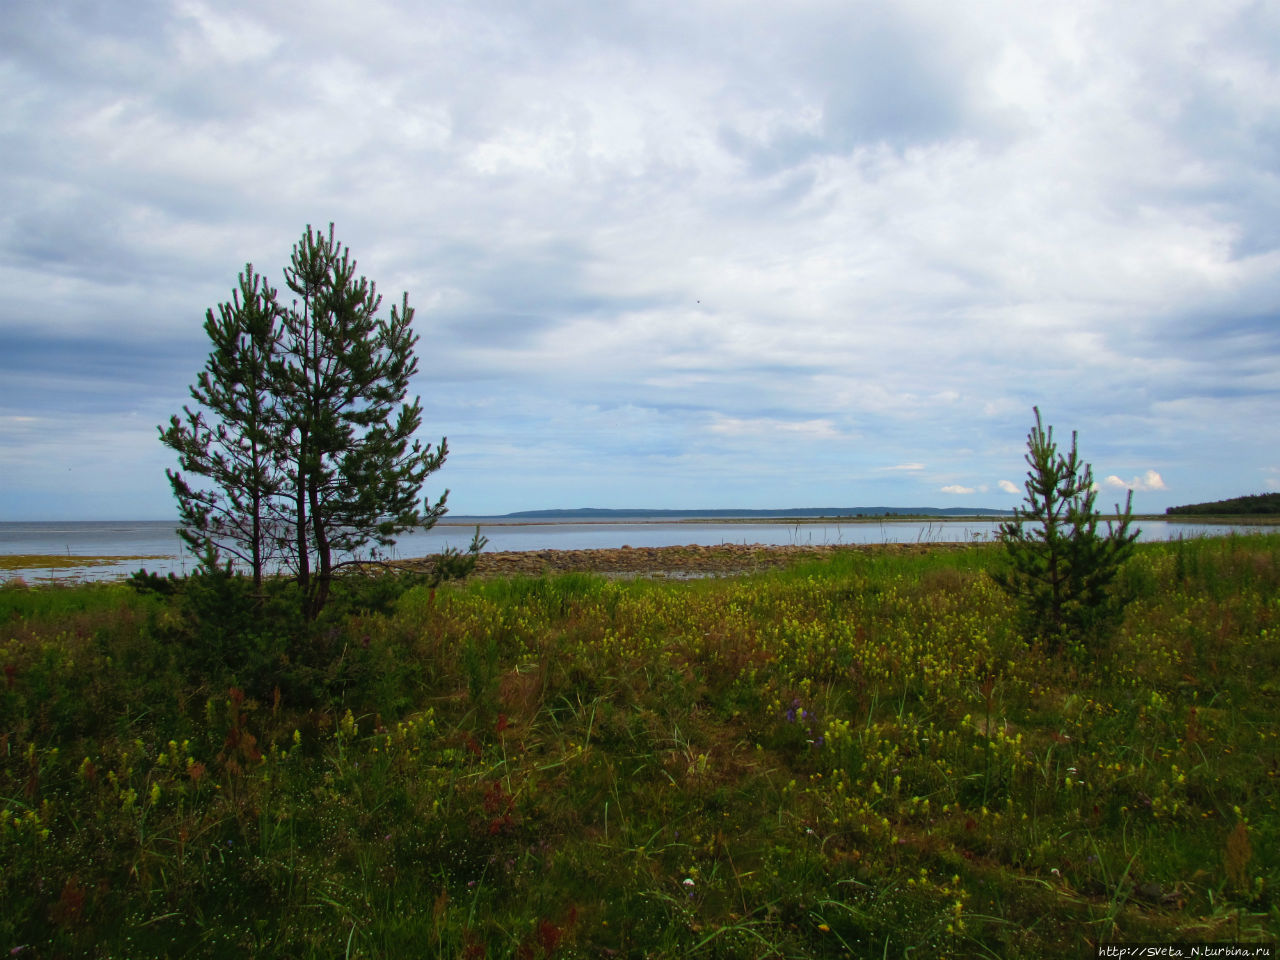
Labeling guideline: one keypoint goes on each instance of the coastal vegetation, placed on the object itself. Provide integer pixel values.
(1260, 504)
(1022, 749)
(858, 755)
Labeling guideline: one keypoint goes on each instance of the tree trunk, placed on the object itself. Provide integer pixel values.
(323, 556)
(304, 559)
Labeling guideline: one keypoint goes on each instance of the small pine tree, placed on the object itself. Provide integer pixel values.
(235, 449)
(1060, 568)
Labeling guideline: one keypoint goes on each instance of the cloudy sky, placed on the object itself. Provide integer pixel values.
(679, 254)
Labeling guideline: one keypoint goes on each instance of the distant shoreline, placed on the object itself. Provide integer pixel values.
(633, 520)
(622, 520)
(691, 519)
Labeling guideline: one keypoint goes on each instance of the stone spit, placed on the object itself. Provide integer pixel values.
(688, 561)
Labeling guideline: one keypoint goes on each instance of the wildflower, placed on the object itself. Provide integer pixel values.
(347, 726)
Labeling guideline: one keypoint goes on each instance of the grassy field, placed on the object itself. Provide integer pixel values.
(854, 757)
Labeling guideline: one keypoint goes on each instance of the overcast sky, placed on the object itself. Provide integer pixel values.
(683, 254)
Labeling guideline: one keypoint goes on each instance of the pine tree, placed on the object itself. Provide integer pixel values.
(1060, 568)
(235, 449)
(354, 472)
(304, 433)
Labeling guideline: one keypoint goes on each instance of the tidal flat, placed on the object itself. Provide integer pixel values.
(850, 752)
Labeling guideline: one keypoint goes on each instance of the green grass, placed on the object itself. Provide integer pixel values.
(855, 757)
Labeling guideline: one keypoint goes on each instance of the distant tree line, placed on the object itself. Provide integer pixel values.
(1259, 503)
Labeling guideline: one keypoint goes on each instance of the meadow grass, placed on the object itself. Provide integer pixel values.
(853, 757)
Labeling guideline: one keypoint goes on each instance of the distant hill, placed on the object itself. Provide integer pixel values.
(595, 513)
(1260, 503)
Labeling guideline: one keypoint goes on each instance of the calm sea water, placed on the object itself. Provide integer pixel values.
(159, 539)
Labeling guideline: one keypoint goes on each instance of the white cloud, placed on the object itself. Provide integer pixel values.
(232, 39)
(1148, 481)
(955, 488)
(1008, 487)
(909, 467)
(767, 426)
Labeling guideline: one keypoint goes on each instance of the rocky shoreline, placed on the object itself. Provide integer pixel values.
(686, 562)
(679, 562)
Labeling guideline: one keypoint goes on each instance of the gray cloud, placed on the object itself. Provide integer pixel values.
(663, 249)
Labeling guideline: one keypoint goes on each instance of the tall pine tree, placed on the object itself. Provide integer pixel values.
(354, 470)
(304, 434)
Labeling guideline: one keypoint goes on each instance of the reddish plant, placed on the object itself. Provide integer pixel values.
(498, 804)
(70, 906)
(548, 937)
(240, 746)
